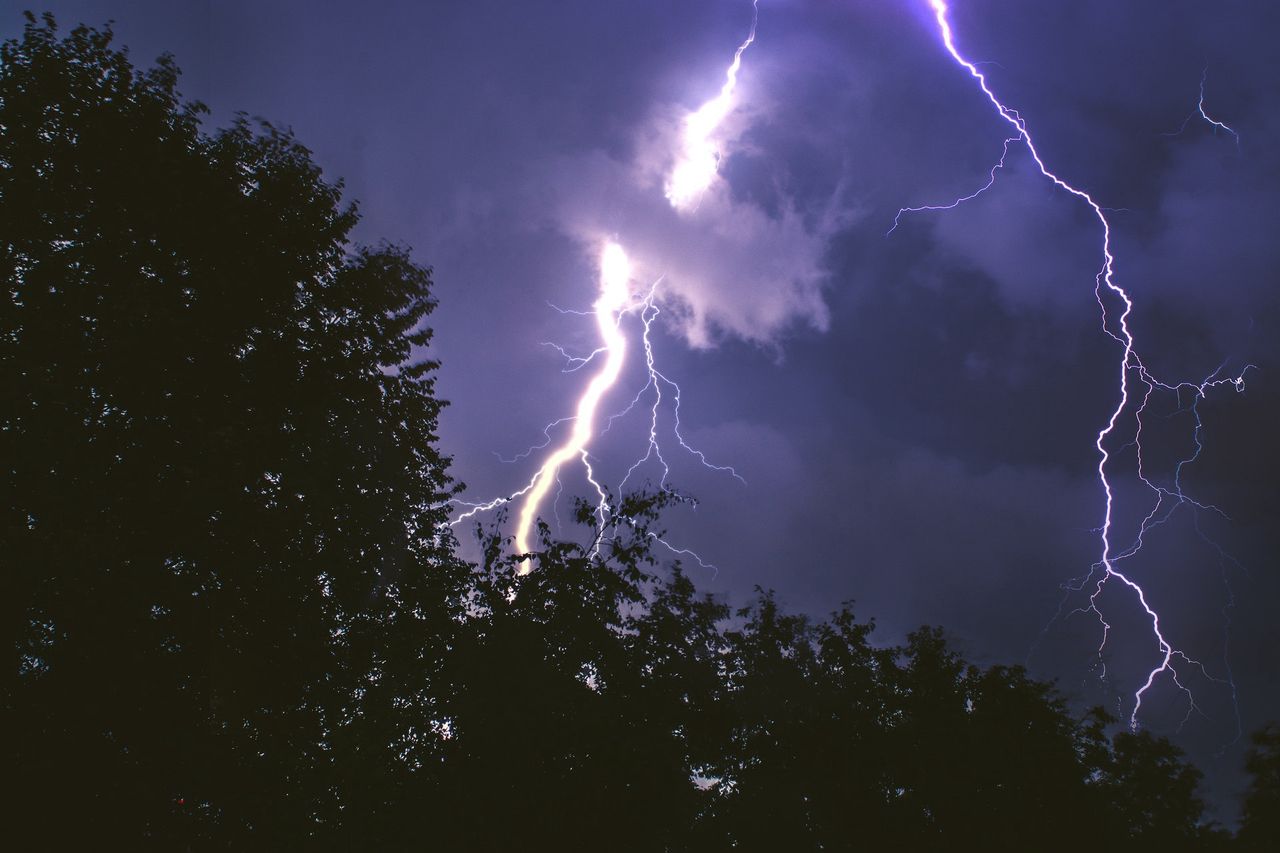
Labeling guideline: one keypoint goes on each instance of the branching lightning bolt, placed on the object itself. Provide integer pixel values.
(615, 279)
(699, 158)
(694, 170)
(954, 203)
(1171, 660)
(1200, 111)
(614, 303)
(657, 379)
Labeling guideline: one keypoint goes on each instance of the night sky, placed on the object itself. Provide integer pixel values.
(914, 414)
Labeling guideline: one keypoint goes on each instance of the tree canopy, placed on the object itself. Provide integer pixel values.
(224, 495)
(241, 618)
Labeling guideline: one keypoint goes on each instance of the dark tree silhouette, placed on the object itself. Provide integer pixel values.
(1260, 829)
(240, 616)
(224, 506)
(838, 745)
(1152, 793)
(586, 689)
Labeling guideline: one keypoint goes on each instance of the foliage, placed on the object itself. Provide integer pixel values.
(224, 524)
(1260, 829)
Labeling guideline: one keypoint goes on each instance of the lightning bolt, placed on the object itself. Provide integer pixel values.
(615, 282)
(614, 302)
(699, 159)
(695, 168)
(657, 380)
(954, 203)
(1200, 111)
(1133, 374)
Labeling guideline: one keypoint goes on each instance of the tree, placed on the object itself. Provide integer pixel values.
(224, 515)
(1151, 794)
(1260, 827)
(583, 691)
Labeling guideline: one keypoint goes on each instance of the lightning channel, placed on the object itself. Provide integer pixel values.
(699, 158)
(616, 302)
(695, 168)
(615, 279)
(1132, 376)
(1203, 114)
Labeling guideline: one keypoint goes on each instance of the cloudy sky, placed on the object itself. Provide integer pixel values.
(914, 414)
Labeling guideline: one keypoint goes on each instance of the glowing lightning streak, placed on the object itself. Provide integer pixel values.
(1130, 361)
(612, 305)
(692, 175)
(696, 168)
(615, 277)
(952, 205)
(649, 312)
(1200, 111)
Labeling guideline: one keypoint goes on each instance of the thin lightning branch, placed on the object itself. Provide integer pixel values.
(576, 362)
(657, 379)
(1176, 495)
(546, 432)
(1213, 121)
(685, 552)
(962, 199)
(652, 450)
(602, 508)
(555, 502)
(1200, 111)
(487, 506)
(1105, 571)
(558, 309)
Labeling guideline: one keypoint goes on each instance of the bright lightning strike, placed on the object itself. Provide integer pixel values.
(699, 157)
(614, 300)
(1170, 659)
(615, 279)
(614, 303)
(693, 173)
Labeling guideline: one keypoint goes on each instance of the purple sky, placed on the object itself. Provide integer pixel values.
(914, 415)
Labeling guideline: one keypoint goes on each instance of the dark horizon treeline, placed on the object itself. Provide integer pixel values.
(242, 620)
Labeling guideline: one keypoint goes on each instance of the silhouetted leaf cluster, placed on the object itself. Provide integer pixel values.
(241, 620)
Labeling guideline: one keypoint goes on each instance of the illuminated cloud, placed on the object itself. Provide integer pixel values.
(729, 266)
